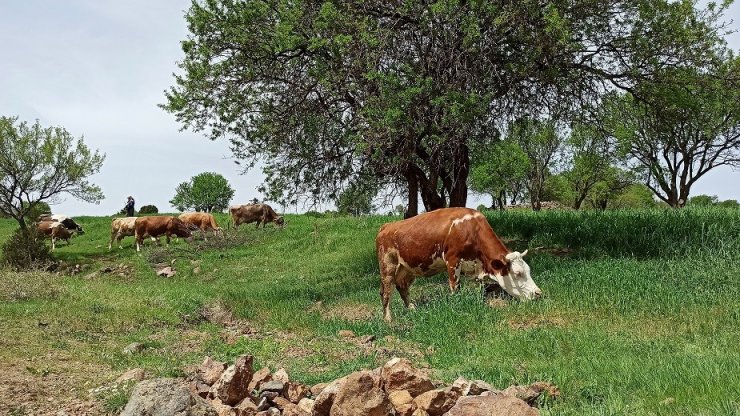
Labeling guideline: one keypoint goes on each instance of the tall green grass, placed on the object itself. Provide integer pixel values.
(640, 233)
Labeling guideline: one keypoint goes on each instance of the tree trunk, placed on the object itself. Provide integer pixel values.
(412, 209)
(22, 223)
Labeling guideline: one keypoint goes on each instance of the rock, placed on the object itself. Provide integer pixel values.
(135, 374)
(281, 402)
(493, 405)
(399, 374)
(296, 391)
(420, 412)
(269, 395)
(306, 405)
(166, 272)
(260, 377)
(273, 412)
(477, 387)
(210, 371)
(222, 409)
(367, 339)
(166, 397)
(462, 384)
(532, 392)
(402, 402)
(295, 410)
(231, 388)
(201, 389)
(317, 388)
(437, 402)
(245, 408)
(361, 395)
(281, 375)
(276, 386)
(325, 399)
(133, 348)
(346, 333)
(263, 404)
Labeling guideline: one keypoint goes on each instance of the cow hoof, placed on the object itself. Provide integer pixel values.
(412, 307)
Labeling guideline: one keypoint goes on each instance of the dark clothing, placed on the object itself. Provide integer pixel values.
(130, 208)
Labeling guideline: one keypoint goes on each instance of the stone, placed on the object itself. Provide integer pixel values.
(493, 405)
(246, 407)
(135, 374)
(166, 397)
(276, 386)
(210, 371)
(260, 377)
(420, 412)
(201, 389)
(361, 395)
(273, 411)
(222, 409)
(346, 333)
(269, 395)
(294, 410)
(437, 402)
(133, 348)
(281, 402)
(325, 399)
(531, 392)
(478, 387)
(399, 398)
(317, 388)
(296, 391)
(166, 272)
(231, 388)
(399, 374)
(306, 405)
(462, 384)
(281, 375)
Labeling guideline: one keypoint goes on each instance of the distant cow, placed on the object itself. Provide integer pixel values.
(203, 221)
(68, 222)
(155, 226)
(456, 240)
(55, 230)
(122, 227)
(259, 213)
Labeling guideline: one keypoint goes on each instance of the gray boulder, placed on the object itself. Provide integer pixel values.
(166, 397)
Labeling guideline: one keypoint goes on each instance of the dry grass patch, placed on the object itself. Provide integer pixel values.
(350, 311)
(21, 286)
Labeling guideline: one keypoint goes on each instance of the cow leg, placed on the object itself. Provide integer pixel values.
(139, 239)
(113, 236)
(403, 282)
(53, 245)
(388, 272)
(453, 271)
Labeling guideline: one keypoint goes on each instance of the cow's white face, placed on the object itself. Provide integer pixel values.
(518, 282)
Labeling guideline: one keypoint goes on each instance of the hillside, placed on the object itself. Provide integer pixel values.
(641, 313)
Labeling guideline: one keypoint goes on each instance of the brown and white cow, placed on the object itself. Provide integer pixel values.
(55, 230)
(456, 240)
(122, 227)
(260, 213)
(155, 226)
(203, 221)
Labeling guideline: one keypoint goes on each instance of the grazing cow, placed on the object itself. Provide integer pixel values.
(260, 213)
(122, 227)
(55, 230)
(68, 222)
(155, 226)
(203, 221)
(456, 240)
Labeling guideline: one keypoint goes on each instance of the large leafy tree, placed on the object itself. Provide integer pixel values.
(207, 192)
(327, 93)
(681, 125)
(500, 170)
(38, 165)
(541, 142)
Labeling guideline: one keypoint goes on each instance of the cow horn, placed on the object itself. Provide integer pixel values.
(525, 252)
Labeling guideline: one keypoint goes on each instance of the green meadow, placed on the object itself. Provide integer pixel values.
(640, 315)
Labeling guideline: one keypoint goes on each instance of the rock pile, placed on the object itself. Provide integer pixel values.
(396, 388)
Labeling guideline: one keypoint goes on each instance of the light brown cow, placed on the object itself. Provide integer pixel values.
(122, 227)
(456, 240)
(260, 213)
(155, 226)
(202, 220)
(55, 230)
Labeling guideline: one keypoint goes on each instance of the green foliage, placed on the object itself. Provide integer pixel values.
(26, 249)
(540, 142)
(729, 203)
(702, 201)
(40, 164)
(206, 191)
(148, 209)
(356, 200)
(635, 196)
(499, 169)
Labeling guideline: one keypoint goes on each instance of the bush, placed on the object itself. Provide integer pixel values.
(26, 250)
(148, 209)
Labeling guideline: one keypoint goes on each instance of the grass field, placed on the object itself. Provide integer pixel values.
(641, 313)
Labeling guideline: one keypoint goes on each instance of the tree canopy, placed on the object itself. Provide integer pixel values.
(207, 191)
(40, 164)
(328, 93)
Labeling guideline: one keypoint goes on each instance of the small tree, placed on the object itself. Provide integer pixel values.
(206, 192)
(500, 170)
(40, 164)
(149, 209)
(541, 143)
(356, 200)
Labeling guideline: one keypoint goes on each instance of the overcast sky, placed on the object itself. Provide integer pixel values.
(99, 69)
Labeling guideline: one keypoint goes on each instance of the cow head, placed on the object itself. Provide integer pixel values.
(513, 275)
(280, 220)
(182, 230)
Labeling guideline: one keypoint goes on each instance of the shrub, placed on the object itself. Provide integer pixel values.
(148, 209)
(26, 249)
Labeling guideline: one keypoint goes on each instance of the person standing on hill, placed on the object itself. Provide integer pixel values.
(130, 206)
